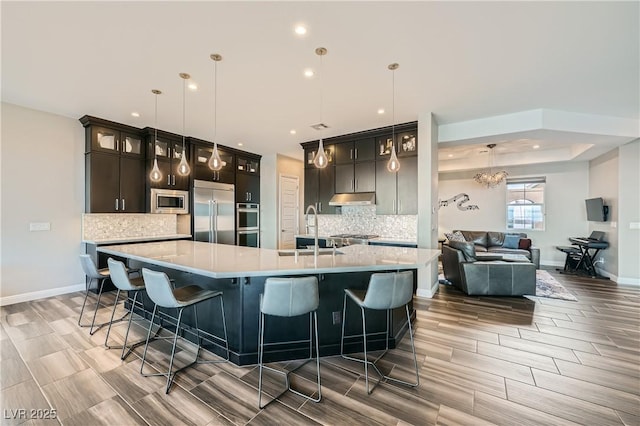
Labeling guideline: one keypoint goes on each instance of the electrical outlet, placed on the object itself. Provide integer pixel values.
(39, 226)
(337, 317)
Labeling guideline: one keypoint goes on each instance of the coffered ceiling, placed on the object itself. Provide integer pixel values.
(466, 62)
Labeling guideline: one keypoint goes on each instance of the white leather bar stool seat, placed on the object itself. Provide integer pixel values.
(289, 297)
(386, 291)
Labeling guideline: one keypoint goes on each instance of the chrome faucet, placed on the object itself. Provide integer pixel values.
(315, 227)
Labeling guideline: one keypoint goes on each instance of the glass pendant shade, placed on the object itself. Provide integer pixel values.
(393, 165)
(488, 178)
(321, 160)
(183, 167)
(215, 162)
(155, 174)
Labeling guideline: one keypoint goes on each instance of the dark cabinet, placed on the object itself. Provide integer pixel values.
(247, 179)
(114, 167)
(352, 174)
(318, 188)
(358, 150)
(358, 177)
(396, 193)
(406, 144)
(202, 154)
(169, 153)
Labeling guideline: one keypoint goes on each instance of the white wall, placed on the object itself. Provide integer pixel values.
(603, 182)
(268, 202)
(42, 181)
(565, 192)
(628, 213)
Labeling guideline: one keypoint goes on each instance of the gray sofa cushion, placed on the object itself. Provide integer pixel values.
(468, 249)
(478, 238)
(502, 250)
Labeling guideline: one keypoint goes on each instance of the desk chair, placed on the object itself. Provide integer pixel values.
(386, 291)
(163, 294)
(289, 297)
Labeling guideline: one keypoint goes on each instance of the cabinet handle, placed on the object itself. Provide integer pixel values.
(356, 152)
(249, 196)
(355, 187)
(168, 179)
(394, 206)
(351, 154)
(320, 206)
(173, 179)
(123, 209)
(117, 203)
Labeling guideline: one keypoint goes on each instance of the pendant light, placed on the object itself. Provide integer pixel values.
(215, 162)
(488, 178)
(393, 165)
(156, 174)
(320, 160)
(183, 167)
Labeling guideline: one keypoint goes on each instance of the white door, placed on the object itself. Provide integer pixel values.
(288, 206)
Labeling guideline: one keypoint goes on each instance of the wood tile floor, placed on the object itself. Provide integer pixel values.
(482, 361)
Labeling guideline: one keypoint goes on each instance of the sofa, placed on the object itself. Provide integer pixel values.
(490, 275)
(494, 242)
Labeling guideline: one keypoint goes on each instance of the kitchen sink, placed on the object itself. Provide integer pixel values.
(308, 252)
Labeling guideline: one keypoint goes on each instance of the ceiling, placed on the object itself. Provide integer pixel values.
(465, 62)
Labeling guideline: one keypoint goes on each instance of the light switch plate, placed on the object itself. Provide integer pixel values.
(39, 226)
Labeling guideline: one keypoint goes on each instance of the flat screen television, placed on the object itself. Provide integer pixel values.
(596, 210)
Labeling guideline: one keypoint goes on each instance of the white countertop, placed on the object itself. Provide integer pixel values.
(105, 241)
(226, 261)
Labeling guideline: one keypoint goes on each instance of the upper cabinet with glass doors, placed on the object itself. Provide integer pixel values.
(113, 141)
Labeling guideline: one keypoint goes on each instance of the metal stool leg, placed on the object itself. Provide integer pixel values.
(366, 361)
(224, 327)
(313, 325)
(86, 294)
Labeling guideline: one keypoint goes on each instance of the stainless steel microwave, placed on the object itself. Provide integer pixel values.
(169, 201)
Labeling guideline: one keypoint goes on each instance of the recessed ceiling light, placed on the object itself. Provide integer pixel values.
(300, 29)
(135, 114)
(193, 86)
(292, 131)
(381, 111)
(450, 155)
(536, 146)
(308, 72)
(240, 144)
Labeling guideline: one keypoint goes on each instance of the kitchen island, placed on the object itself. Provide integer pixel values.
(240, 273)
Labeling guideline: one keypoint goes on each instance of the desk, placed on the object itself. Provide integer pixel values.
(581, 255)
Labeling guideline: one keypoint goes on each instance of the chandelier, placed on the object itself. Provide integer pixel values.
(490, 179)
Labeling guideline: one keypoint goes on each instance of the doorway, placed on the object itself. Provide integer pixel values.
(288, 210)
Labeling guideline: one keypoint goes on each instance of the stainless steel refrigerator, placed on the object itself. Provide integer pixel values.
(214, 212)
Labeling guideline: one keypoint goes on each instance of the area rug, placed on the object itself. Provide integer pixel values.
(546, 286)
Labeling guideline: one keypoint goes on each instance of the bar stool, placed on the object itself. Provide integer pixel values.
(163, 294)
(289, 297)
(120, 278)
(92, 273)
(386, 291)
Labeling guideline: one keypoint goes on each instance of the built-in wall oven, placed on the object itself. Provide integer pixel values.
(248, 224)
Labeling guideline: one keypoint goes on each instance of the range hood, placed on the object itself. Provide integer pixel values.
(353, 199)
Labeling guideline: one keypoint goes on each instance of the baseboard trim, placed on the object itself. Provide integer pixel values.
(551, 263)
(628, 281)
(35, 295)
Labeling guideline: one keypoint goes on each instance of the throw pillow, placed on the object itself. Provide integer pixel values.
(524, 244)
(511, 241)
(455, 236)
(468, 249)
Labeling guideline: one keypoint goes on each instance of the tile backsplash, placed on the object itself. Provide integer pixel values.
(363, 220)
(122, 225)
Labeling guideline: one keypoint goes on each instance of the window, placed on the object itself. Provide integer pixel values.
(525, 203)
